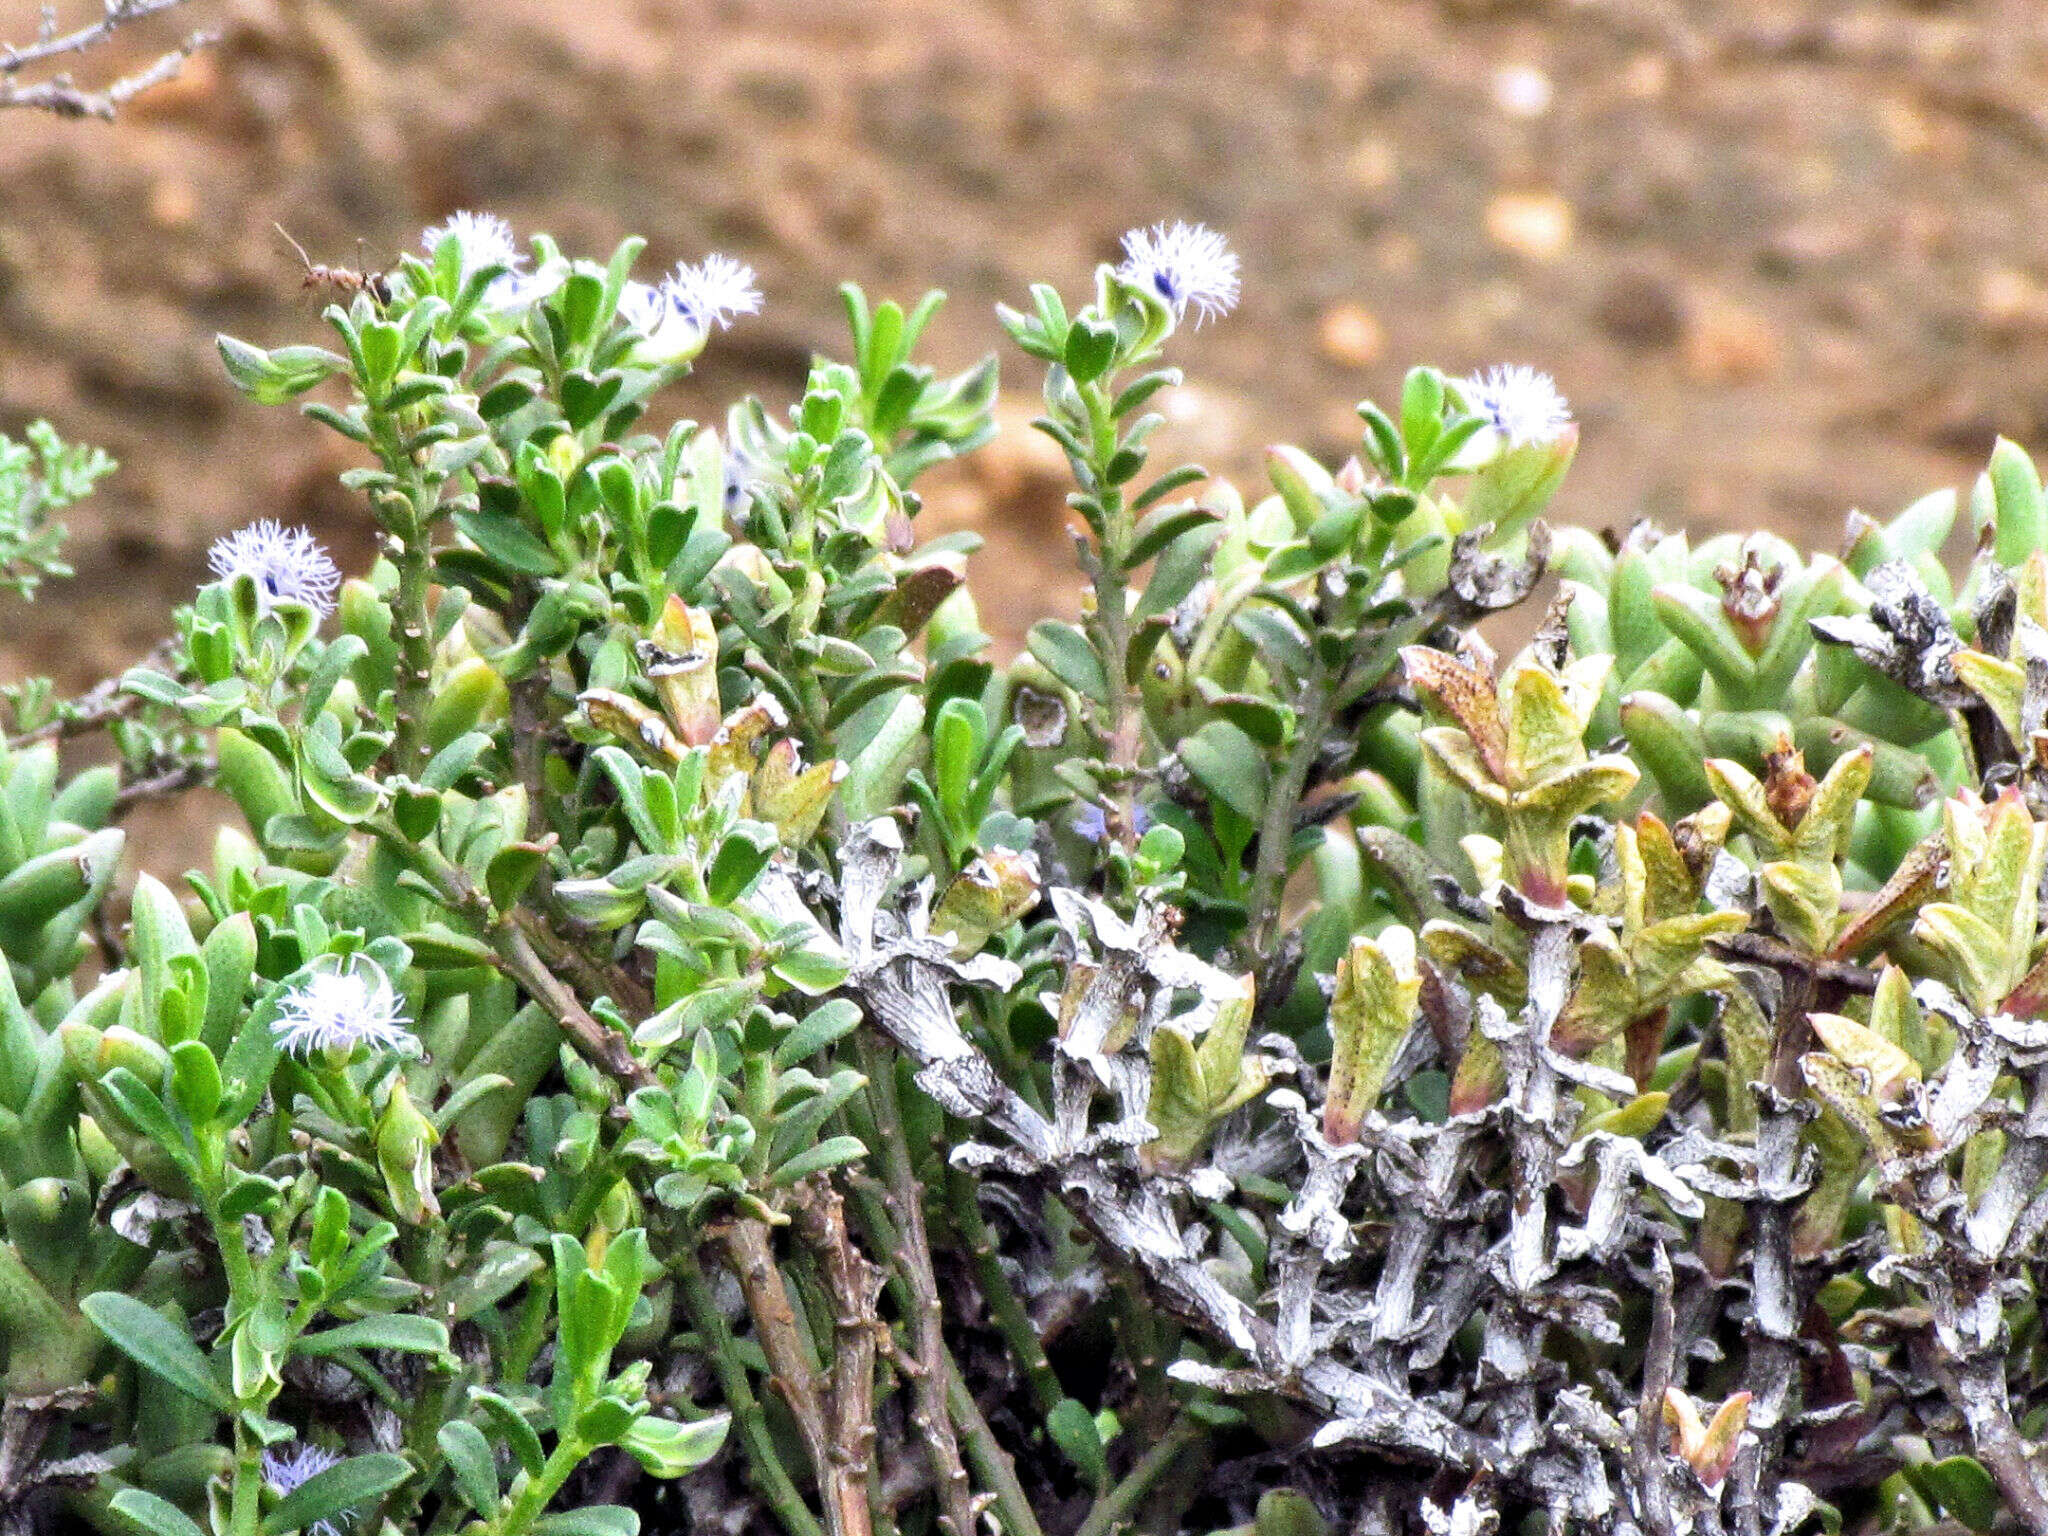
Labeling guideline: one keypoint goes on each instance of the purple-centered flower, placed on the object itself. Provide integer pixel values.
(714, 293)
(1184, 264)
(287, 564)
(338, 1008)
(675, 319)
(288, 1469)
(1092, 821)
(740, 481)
(1519, 403)
(643, 307)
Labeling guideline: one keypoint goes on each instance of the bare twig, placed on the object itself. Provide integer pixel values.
(854, 1285)
(842, 1478)
(64, 97)
(171, 781)
(1648, 1446)
(100, 706)
(924, 1315)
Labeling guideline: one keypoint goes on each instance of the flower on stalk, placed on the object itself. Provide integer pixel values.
(287, 1470)
(485, 240)
(714, 293)
(1519, 403)
(678, 317)
(336, 1009)
(287, 564)
(1184, 264)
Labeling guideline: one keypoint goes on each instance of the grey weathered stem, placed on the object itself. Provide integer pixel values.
(924, 1313)
(843, 1488)
(1647, 1448)
(1977, 1388)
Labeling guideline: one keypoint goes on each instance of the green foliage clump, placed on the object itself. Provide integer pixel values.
(684, 1034)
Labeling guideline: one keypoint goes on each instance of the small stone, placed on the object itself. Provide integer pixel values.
(1372, 166)
(1647, 76)
(1726, 343)
(2009, 300)
(1639, 309)
(172, 203)
(1522, 90)
(1351, 335)
(1533, 225)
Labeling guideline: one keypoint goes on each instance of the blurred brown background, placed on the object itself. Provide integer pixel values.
(1784, 258)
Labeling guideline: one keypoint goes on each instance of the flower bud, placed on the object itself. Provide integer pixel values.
(405, 1155)
(1378, 985)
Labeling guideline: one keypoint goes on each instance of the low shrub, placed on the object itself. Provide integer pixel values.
(682, 1037)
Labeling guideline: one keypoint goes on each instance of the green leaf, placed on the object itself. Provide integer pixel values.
(1065, 652)
(328, 777)
(1073, 1430)
(511, 870)
(511, 1424)
(593, 1520)
(956, 742)
(387, 1330)
(154, 1514)
(667, 1448)
(1162, 527)
(513, 545)
(347, 1485)
(157, 1344)
(829, 1021)
(195, 1081)
(1230, 766)
(826, 1154)
(1091, 346)
(470, 1459)
(741, 857)
(2020, 510)
(1965, 1490)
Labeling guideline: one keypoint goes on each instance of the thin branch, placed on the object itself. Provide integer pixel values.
(100, 706)
(1112, 1511)
(49, 46)
(991, 1461)
(765, 1465)
(750, 1254)
(600, 1045)
(172, 781)
(853, 1285)
(60, 94)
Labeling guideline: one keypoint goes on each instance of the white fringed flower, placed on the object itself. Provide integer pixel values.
(665, 336)
(286, 1470)
(287, 564)
(675, 319)
(338, 1008)
(714, 293)
(643, 307)
(484, 239)
(1519, 403)
(1185, 264)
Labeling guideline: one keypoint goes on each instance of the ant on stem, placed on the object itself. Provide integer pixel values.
(341, 279)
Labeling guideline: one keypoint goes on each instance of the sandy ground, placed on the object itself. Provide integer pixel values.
(1785, 259)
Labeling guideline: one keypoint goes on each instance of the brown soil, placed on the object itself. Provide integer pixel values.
(1783, 258)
